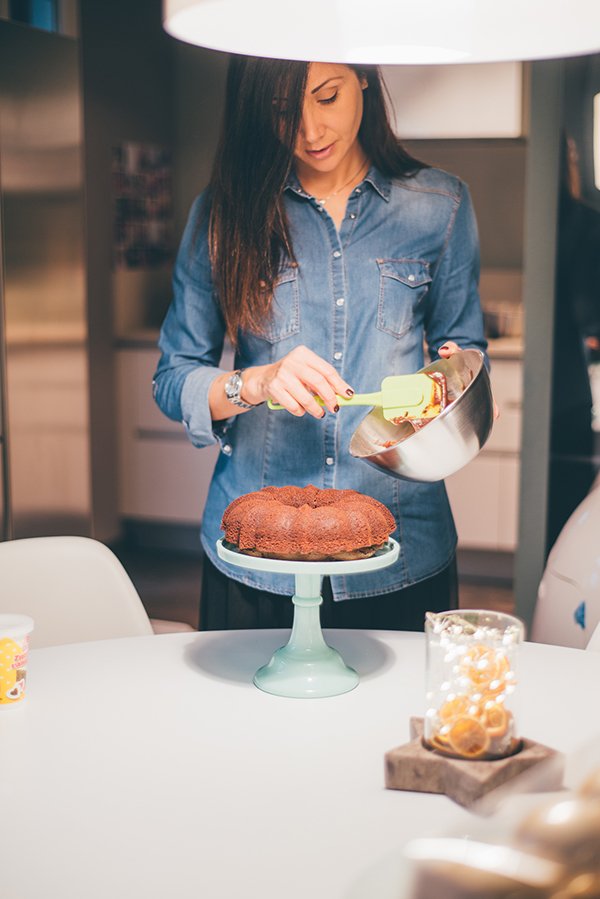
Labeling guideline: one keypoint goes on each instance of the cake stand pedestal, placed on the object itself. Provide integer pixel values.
(307, 666)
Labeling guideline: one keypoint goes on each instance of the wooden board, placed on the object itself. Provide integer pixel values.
(414, 767)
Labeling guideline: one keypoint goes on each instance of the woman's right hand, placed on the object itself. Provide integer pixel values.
(294, 381)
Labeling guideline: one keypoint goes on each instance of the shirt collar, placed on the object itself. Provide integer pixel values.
(381, 183)
(292, 183)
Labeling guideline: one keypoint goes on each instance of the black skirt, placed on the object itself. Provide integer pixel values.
(227, 604)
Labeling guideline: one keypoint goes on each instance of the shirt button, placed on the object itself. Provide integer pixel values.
(227, 449)
(411, 277)
(358, 190)
(337, 254)
(329, 461)
(337, 355)
(340, 302)
(352, 216)
(320, 208)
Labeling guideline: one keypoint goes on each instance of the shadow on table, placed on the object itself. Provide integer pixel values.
(237, 655)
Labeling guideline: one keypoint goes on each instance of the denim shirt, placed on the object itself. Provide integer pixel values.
(403, 266)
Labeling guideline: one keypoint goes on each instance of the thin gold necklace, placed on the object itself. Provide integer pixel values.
(350, 180)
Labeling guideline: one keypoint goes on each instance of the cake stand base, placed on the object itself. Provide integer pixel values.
(307, 667)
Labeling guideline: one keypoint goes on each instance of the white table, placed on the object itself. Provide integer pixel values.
(151, 767)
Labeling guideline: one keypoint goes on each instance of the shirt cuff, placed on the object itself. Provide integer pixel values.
(195, 408)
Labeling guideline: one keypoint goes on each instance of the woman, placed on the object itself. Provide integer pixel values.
(327, 253)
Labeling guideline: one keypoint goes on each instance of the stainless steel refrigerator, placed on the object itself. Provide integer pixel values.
(44, 415)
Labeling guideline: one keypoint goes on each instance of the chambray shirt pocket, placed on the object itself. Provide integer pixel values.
(285, 312)
(402, 285)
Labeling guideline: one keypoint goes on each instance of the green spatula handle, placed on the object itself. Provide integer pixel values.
(359, 399)
(408, 397)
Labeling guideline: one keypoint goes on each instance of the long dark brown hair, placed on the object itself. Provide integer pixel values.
(249, 233)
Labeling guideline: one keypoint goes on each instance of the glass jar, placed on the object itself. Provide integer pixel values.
(471, 683)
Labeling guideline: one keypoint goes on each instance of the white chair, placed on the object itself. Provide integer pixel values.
(74, 588)
(594, 642)
(567, 612)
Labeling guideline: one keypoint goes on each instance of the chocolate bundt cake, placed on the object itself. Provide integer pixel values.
(307, 524)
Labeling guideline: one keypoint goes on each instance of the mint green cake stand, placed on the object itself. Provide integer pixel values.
(307, 667)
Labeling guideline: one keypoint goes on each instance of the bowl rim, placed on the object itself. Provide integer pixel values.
(443, 414)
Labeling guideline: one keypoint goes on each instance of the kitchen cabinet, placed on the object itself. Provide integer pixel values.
(484, 495)
(49, 436)
(163, 478)
(480, 100)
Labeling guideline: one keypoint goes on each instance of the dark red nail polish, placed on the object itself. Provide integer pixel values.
(336, 408)
(349, 392)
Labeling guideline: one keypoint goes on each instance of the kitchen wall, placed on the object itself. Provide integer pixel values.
(495, 173)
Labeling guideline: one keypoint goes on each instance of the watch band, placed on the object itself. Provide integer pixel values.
(233, 386)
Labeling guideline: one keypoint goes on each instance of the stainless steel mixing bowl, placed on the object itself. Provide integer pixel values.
(445, 444)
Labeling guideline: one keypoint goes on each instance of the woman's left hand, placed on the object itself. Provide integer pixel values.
(449, 349)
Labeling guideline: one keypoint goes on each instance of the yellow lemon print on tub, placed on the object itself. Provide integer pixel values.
(13, 659)
(14, 643)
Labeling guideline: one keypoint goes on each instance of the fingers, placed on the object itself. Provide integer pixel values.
(321, 377)
(297, 408)
(448, 349)
(321, 386)
(294, 381)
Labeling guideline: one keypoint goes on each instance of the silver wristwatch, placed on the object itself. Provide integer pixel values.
(233, 386)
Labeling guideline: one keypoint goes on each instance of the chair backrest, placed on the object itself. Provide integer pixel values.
(74, 588)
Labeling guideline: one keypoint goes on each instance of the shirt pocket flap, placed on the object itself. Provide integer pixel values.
(288, 271)
(402, 285)
(284, 319)
(411, 272)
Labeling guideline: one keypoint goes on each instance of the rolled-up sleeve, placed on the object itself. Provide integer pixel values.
(453, 308)
(191, 338)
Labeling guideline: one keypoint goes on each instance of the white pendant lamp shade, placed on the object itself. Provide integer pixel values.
(389, 31)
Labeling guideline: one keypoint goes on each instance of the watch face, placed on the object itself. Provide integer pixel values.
(233, 385)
